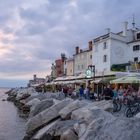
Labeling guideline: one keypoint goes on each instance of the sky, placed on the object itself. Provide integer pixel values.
(33, 33)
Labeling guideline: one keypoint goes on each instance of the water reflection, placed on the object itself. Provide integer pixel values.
(12, 127)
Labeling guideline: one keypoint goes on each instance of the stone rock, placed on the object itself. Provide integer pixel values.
(42, 96)
(12, 92)
(66, 111)
(69, 135)
(11, 98)
(46, 116)
(56, 101)
(80, 128)
(60, 127)
(85, 116)
(43, 132)
(33, 102)
(36, 95)
(58, 96)
(23, 93)
(23, 101)
(9, 91)
(54, 129)
(44, 104)
(105, 126)
(138, 115)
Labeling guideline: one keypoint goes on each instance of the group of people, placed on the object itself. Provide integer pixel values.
(108, 93)
(120, 93)
(79, 91)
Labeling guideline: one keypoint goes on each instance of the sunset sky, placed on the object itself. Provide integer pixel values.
(33, 33)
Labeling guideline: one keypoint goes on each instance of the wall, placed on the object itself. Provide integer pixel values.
(98, 53)
(132, 53)
(81, 61)
(119, 52)
(70, 68)
(58, 64)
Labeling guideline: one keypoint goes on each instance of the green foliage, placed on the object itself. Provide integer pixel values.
(119, 67)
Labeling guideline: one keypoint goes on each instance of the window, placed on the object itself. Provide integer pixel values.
(135, 59)
(90, 56)
(138, 35)
(105, 45)
(105, 58)
(136, 47)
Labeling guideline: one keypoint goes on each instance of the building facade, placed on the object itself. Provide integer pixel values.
(115, 49)
(36, 80)
(82, 59)
(58, 67)
(69, 67)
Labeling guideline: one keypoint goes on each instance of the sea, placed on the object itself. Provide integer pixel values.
(12, 127)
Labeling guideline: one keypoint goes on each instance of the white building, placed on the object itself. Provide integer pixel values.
(82, 59)
(116, 48)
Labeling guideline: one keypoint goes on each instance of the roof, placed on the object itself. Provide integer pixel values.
(83, 51)
(134, 41)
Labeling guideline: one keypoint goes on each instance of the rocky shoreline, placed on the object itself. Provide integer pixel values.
(51, 116)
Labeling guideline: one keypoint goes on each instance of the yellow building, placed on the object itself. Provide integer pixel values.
(82, 59)
(69, 67)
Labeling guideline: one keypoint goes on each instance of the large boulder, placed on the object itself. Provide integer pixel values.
(12, 92)
(85, 116)
(33, 102)
(43, 132)
(84, 113)
(54, 129)
(42, 96)
(65, 113)
(58, 96)
(44, 104)
(103, 125)
(23, 93)
(46, 116)
(138, 115)
(69, 135)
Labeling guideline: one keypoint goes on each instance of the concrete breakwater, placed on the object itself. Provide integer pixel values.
(51, 116)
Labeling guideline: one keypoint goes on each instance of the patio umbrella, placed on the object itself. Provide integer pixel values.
(127, 79)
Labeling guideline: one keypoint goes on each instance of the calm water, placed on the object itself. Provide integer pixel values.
(12, 127)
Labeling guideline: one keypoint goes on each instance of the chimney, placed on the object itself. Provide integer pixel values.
(107, 30)
(125, 24)
(77, 50)
(34, 76)
(90, 45)
(81, 50)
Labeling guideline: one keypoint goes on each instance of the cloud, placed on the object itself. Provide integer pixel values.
(34, 33)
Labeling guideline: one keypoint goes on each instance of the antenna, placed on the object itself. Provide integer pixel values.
(133, 22)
